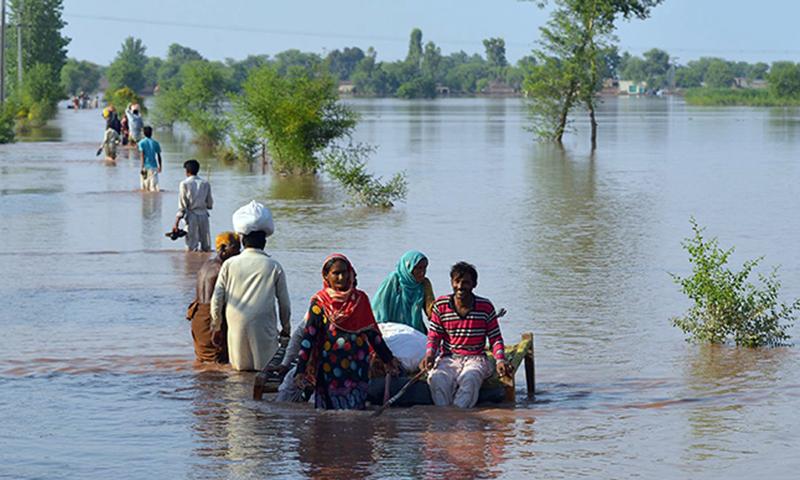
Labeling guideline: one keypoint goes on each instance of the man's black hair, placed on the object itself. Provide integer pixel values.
(192, 166)
(463, 268)
(148, 131)
(255, 240)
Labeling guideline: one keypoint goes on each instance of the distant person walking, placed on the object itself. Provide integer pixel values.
(151, 161)
(135, 123)
(194, 202)
(109, 146)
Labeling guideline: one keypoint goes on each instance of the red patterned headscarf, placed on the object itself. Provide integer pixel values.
(347, 310)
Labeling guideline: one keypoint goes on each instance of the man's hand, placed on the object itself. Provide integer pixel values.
(159, 169)
(427, 362)
(281, 370)
(503, 369)
(216, 338)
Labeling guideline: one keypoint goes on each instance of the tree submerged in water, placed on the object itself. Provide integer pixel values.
(348, 166)
(726, 306)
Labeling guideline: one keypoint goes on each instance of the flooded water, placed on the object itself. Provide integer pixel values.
(97, 377)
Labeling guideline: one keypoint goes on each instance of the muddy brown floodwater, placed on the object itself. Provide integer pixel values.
(96, 373)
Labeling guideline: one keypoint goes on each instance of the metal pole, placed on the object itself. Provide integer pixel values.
(19, 45)
(3, 52)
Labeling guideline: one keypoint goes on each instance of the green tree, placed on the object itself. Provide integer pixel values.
(573, 42)
(725, 305)
(196, 98)
(300, 116)
(657, 67)
(431, 61)
(719, 74)
(127, 69)
(42, 41)
(414, 55)
(40, 93)
(496, 55)
(342, 63)
(784, 79)
(177, 56)
(80, 76)
(286, 60)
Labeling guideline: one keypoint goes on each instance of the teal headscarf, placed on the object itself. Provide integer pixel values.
(400, 298)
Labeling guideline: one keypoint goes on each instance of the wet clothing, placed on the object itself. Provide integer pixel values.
(200, 314)
(110, 141)
(194, 202)
(245, 294)
(150, 149)
(451, 333)
(457, 380)
(400, 298)
(148, 180)
(339, 360)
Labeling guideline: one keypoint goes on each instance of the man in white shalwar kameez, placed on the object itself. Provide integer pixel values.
(194, 202)
(246, 291)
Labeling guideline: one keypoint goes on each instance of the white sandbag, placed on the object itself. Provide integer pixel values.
(406, 343)
(253, 217)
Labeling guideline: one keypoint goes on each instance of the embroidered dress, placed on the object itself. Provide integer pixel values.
(342, 357)
(334, 352)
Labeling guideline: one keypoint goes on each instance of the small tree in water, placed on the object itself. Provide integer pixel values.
(726, 306)
(348, 166)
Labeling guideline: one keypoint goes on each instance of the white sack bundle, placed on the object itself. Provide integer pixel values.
(406, 343)
(253, 217)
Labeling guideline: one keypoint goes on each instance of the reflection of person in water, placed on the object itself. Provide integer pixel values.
(463, 447)
(337, 447)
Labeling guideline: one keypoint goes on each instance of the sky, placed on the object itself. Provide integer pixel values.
(687, 29)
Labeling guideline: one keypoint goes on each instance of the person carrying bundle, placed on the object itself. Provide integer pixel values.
(246, 291)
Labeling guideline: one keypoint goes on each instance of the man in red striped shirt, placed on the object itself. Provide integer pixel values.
(460, 325)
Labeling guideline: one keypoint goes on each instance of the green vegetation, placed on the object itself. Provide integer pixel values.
(195, 95)
(726, 307)
(299, 113)
(127, 69)
(348, 165)
(575, 42)
(742, 96)
(80, 76)
(7, 134)
(123, 97)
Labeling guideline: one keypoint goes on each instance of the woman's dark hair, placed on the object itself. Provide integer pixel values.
(463, 268)
(255, 240)
(192, 166)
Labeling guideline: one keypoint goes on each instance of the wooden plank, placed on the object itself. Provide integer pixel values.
(530, 366)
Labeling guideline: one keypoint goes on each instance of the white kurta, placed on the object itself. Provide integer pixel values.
(194, 202)
(245, 293)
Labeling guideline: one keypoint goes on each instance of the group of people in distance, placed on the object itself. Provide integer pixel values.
(234, 320)
(130, 130)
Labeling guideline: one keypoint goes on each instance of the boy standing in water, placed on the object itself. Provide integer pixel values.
(151, 161)
(194, 202)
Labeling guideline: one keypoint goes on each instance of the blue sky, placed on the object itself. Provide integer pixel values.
(687, 29)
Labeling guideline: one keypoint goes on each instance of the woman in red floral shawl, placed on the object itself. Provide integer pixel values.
(340, 329)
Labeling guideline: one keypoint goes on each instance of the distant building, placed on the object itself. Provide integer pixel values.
(442, 90)
(346, 88)
(744, 82)
(500, 89)
(629, 87)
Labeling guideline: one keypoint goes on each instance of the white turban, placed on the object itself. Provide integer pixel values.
(253, 217)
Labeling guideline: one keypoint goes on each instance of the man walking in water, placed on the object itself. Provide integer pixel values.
(205, 348)
(247, 288)
(151, 161)
(135, 123)
(194, 202)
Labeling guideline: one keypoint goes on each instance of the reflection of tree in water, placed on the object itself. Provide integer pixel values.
(296, 187)
(580, 245)
(727, 381)
(783, 124)
(496, 123)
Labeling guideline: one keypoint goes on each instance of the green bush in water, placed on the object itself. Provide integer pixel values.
(7, 124)
(726, 306)
(123, 97)
(348, 166)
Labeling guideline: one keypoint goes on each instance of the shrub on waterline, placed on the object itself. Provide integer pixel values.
(727, 307)
(348, 166)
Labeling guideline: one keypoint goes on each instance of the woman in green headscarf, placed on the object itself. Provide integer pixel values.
(405, 293)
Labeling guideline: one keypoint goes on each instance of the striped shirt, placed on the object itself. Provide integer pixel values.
(450, 333)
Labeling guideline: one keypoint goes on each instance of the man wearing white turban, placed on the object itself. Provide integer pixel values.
(246, 291)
